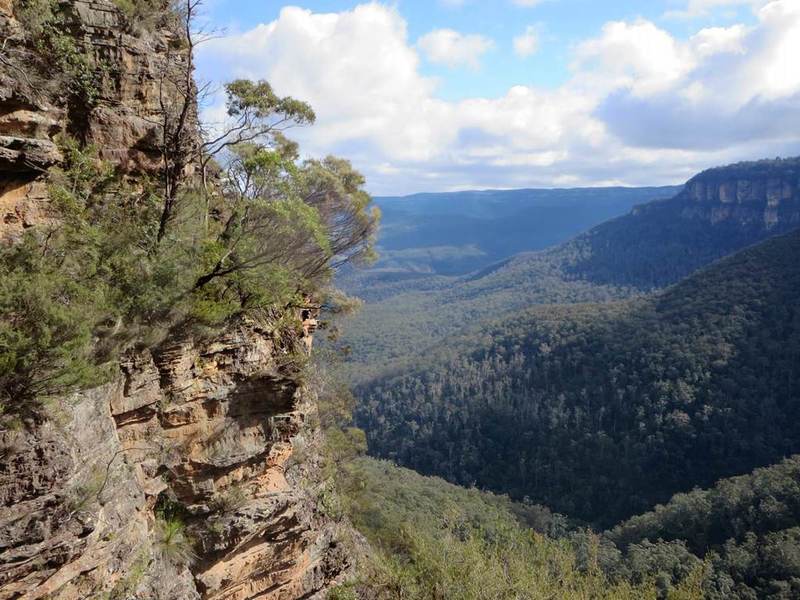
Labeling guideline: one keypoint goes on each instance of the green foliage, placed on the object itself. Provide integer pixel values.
(34, 15)
(746, 527)
(100, 279)
(343, 592)
(436, 540)
(63, 63)
(257, 100)
(138, 11)
(82, 75)
(601, 411)
(172, 542)
(47, 331)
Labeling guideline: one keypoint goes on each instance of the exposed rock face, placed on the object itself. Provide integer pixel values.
(122, 121)
(215, 429)
(763, 194)
(221, 431)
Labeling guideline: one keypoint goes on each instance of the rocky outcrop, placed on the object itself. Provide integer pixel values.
(122, 121)
(213, 430)
(763, 194)
(194, 473)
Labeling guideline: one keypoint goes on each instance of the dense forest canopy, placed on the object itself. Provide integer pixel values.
(601, 410)
(736, 541)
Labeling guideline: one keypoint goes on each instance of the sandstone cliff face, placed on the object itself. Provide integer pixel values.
(222, 431)
(765, 194)
(213, 428)
(122, 121)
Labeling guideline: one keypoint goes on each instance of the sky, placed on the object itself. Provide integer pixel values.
(444, 95)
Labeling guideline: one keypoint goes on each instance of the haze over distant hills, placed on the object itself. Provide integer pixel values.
(718, 212)
(427, 235)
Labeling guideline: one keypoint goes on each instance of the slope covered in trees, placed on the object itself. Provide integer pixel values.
(602, 410)
(426, 236)
(436, 540)
(655, 245)
(745, 527)
(738, 540)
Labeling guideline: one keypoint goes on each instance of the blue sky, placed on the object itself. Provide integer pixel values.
(561, 25)
(479, 113)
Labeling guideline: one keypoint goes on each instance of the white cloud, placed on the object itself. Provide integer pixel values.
(736, 86)
(699, 8)
(641, 106)
(454, 49)
(527, 2)
(636, 55)
(527, 43)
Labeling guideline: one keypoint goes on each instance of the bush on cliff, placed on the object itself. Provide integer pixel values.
(100, 278)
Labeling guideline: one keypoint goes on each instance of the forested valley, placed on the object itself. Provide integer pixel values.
(534, 394)
(601, 410)
(640, 381)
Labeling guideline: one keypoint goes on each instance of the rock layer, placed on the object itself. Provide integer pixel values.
(211, 428)
(122, 121)
(763, 194)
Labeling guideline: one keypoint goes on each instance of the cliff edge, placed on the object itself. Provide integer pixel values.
(195, 471)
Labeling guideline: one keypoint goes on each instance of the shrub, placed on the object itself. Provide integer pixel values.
(172, 543)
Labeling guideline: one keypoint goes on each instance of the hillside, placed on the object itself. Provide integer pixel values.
(745, 527)
(427, 236)
(656, 244)
(601, 410)
(437, 540)
(735, 541)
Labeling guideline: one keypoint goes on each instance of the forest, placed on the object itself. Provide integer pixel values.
(655, 245)
(549, 394)
(738, 540)
(600, 411)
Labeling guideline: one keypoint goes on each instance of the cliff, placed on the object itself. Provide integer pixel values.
(120, 120)
(195, 472)
(211, 428)
(764, 194)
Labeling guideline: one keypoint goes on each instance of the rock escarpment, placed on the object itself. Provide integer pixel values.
(195, 472)
(762, 194)
(121, 120)
(212, 428)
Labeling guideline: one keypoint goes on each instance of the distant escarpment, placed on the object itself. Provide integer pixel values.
(764, 193)
(718, 212)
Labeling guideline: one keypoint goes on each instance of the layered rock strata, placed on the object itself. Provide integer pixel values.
(121, 122)
(763, 194)
(218, 431)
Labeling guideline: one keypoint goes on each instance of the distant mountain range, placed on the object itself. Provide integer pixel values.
(428, 235)
(718, 212)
